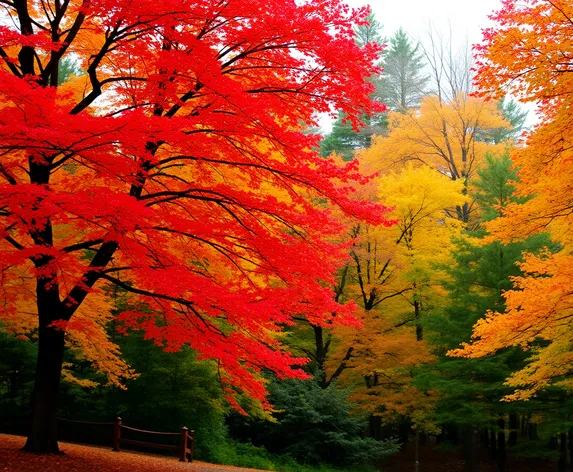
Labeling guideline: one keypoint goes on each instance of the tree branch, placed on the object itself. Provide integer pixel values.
(84, 245)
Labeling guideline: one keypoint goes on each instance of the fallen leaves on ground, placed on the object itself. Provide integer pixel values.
(78, 458)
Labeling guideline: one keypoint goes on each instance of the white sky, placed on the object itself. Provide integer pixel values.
(466, 17)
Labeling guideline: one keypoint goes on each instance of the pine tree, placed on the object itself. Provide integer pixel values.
(344, 139)
(403, 82)
(471, 389)
(515, 115)
(400, 87)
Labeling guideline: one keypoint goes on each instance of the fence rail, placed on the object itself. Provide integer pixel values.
(186, 445)
(145, 431)
(87, 422)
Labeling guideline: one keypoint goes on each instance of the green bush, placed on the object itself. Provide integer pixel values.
(17, 364)
(246, 455)
(315, 426)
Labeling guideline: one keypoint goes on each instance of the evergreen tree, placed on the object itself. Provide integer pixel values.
(343, 139)
(315, 425)
(515, 115)
(403, 82)
(67, 68)
(471, 389)
(370, 32)
(400, 87)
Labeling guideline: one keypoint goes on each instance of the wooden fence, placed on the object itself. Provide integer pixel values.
(185, 446)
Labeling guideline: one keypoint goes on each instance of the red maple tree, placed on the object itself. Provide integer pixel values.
(175, 168)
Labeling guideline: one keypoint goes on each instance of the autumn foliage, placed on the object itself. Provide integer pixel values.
(158, 180)
(525, 54)
(447, 136)
(174, 168)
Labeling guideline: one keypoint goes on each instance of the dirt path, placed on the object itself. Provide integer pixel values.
(78, 458)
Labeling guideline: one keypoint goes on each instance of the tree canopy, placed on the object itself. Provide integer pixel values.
(176, 169)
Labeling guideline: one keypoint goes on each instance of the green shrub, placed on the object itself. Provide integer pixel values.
(314, 426)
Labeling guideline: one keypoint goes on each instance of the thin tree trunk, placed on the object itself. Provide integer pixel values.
(417, 453)
(404, 430)
(320, 352)
(484, 437)
(469, 449)
(493, 445)
(417, 317)
(501, 451)
(532, 431)
(562, 464)
(571, 446)
(513, 427)
(442, 435)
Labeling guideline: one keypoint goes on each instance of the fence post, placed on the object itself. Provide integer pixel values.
(116, 434)
(183, 445)
(192, 445)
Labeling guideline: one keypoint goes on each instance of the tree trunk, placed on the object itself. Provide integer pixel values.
(403, 431)
(441, 437)
(562, 464)
(571, 446)
(469, 449)
(493, 445)
(43, 434)
(451, 433)
(320, 353)
(501, 451)
(417, 317)
(375, 427)
(513, 427)
(532, 431)
(484, 437)
(417, 452)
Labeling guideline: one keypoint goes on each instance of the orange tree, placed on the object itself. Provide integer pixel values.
(174, 169)
(527, 53)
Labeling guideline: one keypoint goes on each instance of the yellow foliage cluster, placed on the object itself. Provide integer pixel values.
(440, 135)
(395, 278)
(425, 166)
(86, 334)
(379, 369)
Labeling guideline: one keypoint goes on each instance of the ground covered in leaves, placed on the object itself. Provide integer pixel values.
(433, 459)
(80, 458)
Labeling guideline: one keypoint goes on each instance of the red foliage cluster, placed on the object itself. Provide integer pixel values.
(176, 169)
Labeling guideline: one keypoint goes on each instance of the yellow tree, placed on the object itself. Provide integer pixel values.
(393, 278)
(527, 53)
(445, 136)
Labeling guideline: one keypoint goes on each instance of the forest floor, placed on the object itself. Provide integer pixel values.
(432, 459)
(78, 458)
